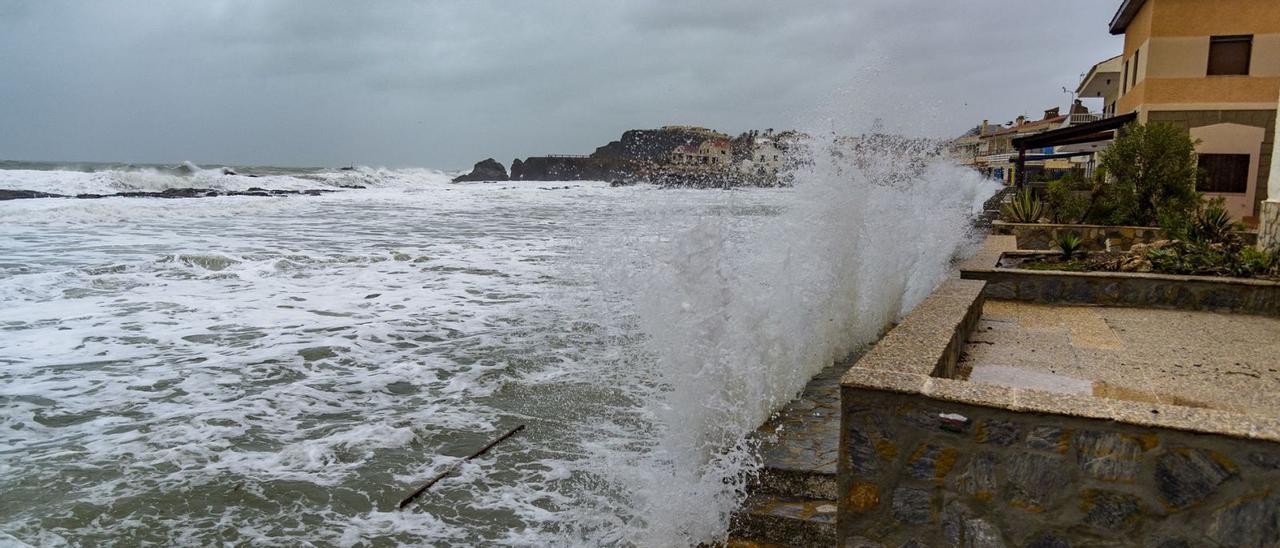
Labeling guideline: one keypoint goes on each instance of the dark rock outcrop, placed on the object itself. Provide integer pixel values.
(648, 144)
(25, 194)
(484, 170)
(572, 168)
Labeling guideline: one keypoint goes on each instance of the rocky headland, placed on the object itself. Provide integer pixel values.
(674, 156)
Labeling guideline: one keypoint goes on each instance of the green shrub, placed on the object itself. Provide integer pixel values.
(1214, 259)
(1198, 259)
(1153, 170)
(1259, 263)
(1110, 202)
(1024, 207)
(1064, 201)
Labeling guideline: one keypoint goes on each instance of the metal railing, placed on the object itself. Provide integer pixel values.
(1078, 118)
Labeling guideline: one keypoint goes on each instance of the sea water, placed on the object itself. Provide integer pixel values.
(282, 371)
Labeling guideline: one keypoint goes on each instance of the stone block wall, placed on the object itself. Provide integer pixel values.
(1130, 289)
(1094, 237)
(920, 471)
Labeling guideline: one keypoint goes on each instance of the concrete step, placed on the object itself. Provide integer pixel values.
(800, 444)
(744, 543)
(811, 483)
(773, 520)
(792, 501)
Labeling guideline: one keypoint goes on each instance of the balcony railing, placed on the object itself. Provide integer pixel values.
(1083, 118)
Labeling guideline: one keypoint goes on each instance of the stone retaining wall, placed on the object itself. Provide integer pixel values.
(916, 469)
(1095, 237)
(1043, 235)
(1128, 289)
(926, 460)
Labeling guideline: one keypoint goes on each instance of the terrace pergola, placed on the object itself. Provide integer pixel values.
(1091, 132)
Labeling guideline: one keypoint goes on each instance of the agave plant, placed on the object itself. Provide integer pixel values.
(1211, 225)
(1024, 207)
(1069, 243)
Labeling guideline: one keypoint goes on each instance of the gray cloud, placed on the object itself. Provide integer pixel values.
(443, 84)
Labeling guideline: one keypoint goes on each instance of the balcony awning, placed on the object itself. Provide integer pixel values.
(1101, 130)
(1055, 156)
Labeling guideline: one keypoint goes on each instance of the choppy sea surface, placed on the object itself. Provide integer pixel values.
(283, 370)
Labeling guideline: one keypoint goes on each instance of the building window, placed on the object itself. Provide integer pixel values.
(1223, 173)
(1229, 55)
(1136, 53)
(1124, 79)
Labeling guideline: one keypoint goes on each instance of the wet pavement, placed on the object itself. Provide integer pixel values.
(806, 433)
(793, 502)
(1199, 359)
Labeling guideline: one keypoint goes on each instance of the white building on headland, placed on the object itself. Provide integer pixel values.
(710, 154)
(765, 158)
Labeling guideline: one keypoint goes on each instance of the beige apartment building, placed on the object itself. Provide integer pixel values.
(1211, 67)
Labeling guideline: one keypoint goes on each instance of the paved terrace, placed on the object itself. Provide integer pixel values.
(1196, 359)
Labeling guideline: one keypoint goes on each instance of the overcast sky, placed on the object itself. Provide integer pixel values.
(443, 84)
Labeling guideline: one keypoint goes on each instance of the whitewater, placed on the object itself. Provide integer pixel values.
(283, 370)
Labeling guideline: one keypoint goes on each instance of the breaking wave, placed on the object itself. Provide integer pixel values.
(736, 317)
(110, 179)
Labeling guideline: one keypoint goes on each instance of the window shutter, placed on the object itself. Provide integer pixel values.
(1229, 55)
(1223, 173)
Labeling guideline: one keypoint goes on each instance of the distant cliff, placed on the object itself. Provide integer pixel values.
(649, 144)
(624, 160)
(572, 168)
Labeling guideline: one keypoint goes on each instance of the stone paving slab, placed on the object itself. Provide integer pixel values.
(742, 543)
(792, 502)
(1199, 359)
(805, 435)
(794, 508)
(771, 520)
